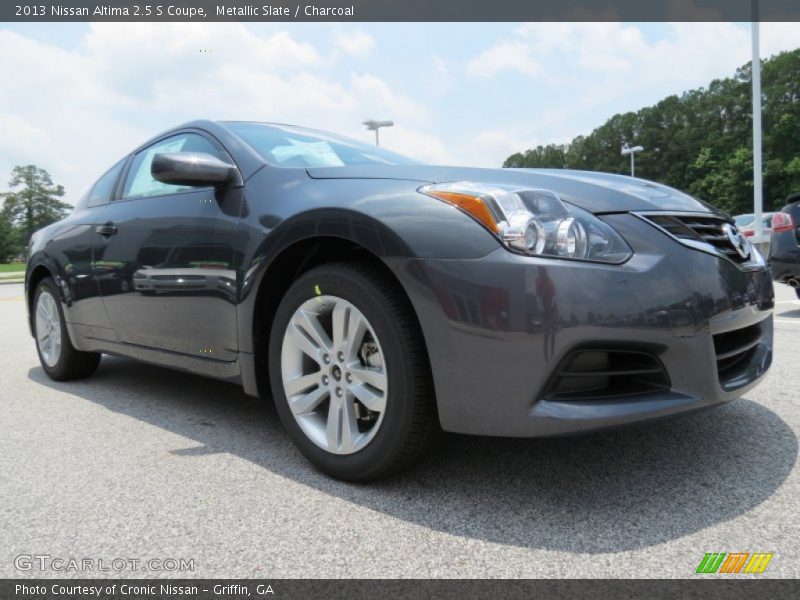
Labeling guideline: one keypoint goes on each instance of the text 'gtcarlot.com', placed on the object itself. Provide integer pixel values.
(71, 564)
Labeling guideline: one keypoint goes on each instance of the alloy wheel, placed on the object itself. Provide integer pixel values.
(48, 328)
(334, 374)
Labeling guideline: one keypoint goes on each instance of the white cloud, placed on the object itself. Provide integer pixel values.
(377, 96)
(355, 43)
(443, 78)
(492, 146)
(777, 37)
(571, 51)
(690, 54)
(76, 111)
(603, 68)
(426, 147)
(21, 138)
(505, 55)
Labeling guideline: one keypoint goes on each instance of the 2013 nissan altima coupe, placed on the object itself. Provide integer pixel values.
(378, 300)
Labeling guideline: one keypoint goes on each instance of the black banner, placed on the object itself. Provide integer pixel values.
(400, 10)
(322, 589)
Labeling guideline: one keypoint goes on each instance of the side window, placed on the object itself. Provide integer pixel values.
(140, 183)
(102, 190)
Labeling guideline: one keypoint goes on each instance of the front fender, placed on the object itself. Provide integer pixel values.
(388, 218)
(37, 263)
(65, 250)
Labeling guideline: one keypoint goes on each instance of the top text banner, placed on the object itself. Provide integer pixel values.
(401, 10)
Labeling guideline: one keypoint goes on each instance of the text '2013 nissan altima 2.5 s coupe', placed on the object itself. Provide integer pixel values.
(379, 300)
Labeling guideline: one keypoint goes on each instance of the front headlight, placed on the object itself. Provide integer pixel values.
(534, 222)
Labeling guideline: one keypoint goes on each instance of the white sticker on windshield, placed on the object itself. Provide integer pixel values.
(316, 154)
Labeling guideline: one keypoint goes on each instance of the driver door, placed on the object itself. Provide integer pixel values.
(172, 249)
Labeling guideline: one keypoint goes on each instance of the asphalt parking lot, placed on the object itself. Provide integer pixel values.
(142, 462)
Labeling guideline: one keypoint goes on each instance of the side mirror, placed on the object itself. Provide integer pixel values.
(196, 169)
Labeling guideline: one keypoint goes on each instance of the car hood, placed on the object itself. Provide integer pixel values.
(592, 191)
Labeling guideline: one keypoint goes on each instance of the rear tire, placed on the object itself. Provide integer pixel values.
(58, 357)
(362, 407)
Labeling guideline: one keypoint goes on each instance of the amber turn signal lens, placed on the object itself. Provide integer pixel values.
(472, 205)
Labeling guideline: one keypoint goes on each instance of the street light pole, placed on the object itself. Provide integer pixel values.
(374, 125)
(758, 189)
(626, 149)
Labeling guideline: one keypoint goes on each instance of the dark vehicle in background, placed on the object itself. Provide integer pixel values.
(784, 254)
(378, 300)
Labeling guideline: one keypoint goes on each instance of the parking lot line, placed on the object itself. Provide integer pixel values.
(788, 321)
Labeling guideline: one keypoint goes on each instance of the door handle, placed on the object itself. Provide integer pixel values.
(107, 229)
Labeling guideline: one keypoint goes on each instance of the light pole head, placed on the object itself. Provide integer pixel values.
(374, 125)
(626, 149)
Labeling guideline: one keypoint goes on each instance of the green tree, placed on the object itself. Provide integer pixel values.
(550, 156)
(35, 204)
(9, 245)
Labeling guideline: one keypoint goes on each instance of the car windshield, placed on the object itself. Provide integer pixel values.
(295, 147)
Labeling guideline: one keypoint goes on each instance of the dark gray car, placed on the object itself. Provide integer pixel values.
(378, 300)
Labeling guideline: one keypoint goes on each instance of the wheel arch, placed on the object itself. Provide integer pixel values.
(289, 264)
(35, 276)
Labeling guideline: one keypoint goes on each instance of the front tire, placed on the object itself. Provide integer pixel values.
(349, 373)
(58, 357)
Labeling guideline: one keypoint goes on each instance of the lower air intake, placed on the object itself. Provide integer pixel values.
(600, 374)
(734, 351)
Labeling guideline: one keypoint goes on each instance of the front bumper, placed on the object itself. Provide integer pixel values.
(500, 327)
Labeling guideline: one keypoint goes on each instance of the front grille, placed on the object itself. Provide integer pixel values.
(734, 350)
(593, 374)
(699, 228)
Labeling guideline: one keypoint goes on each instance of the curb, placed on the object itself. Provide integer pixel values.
(2, 281)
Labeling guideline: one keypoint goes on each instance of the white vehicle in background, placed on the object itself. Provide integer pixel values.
(749, 229)
(747, 225)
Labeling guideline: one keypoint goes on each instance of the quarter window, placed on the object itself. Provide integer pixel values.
(140, 183)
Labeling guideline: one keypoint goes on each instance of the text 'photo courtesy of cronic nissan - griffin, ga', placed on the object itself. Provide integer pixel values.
(379, 301)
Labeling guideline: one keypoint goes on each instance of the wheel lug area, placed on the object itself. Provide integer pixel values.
(348, 378)
(340, 356)
(326, 358)
(325, 380)
(338, 392)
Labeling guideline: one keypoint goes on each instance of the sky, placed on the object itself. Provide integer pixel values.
(76, 97)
